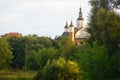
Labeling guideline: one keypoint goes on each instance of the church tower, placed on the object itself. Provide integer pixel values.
(76, 33)
(66, 28)
(71, 32)
(80, 20)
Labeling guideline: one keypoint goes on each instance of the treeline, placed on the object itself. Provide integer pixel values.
(27, 51)
(97, 58)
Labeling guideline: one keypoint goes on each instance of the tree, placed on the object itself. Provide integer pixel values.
(33, 60)
(19, 48)
(22, 45)
(60, 70)
(107, 29)
(45, 55)
(107, 4)
(45, 41)
(69, 50)
(5, 54)
(115, 64)
(93, 62)
(109, 26)
(104, 26)
(36, 60)
(60, 43)
(115, 3)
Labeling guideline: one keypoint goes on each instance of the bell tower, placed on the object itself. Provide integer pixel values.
(71, 33)
(80, 19)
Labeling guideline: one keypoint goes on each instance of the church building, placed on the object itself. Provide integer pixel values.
(76, 33)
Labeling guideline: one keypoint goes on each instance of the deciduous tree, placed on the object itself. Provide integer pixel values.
(5, 54)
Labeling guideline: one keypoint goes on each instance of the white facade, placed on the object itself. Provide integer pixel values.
(80, 23)
(71, 29)
(79, 31)
(82, 33)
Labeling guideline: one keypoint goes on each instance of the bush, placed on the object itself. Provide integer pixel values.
(59, 70)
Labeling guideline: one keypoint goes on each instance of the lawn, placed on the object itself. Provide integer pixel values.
(17, 75)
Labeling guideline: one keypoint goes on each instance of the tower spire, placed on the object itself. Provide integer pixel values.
(71, 24)
(80, 19)
(66, 26)
(80, 14)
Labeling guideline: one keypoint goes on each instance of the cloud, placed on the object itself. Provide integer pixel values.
(31, 8)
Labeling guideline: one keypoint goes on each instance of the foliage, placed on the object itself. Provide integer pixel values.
(60, 70)
(18, 45)
(47, 54)
(60, 42)
(93, 62)
(110, 28)
(45, 41)
(104, 27)
(38, 56)
(5, 54)
(37, 59)
(69, 50)
(115, 64)
(33, 60)
(22, 45)
(107, 4)
(115, 4)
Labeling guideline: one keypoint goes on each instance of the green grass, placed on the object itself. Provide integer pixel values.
(20, 75)
(17, 75)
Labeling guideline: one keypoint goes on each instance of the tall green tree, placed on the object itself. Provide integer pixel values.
(107, 29)
(19, 49)
(104, 26)
(5, 54)
(94, 62)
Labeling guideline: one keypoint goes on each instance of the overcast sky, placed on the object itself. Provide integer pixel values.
(41, 17)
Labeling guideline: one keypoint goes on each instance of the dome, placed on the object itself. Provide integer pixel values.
(81, 34)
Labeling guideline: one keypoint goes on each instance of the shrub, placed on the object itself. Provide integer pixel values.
(59, 69)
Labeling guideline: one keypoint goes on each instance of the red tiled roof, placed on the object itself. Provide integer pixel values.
(13, 34)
